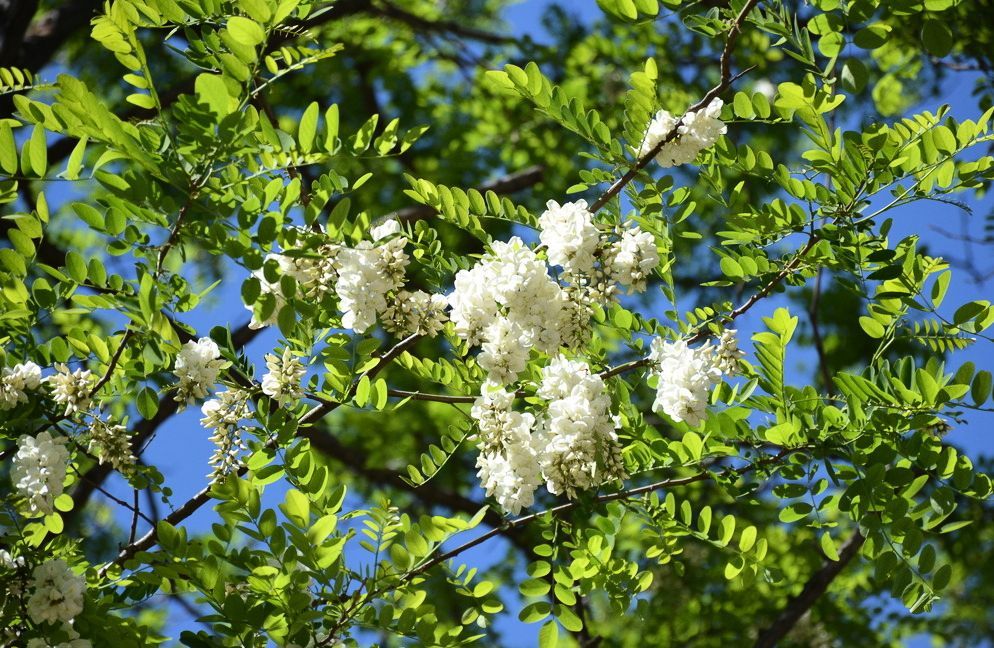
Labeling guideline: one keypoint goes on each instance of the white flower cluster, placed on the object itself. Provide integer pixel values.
(72, 640)
(416, 312)
(508, 304)
(282, 382)
(366, 274)
(696, 132)
(686, 375)
(508, 462)
(7, 561)
(570, 237)
(589, 257)
(224, 415)
(366, 279)
(16, 381)
(632, 259)
(570, 447)
(72, 389)
(580, 448)
(39, 470)
(57, 593)
(111, 443)
(197, 367)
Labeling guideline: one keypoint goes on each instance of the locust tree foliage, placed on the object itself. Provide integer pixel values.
(650, 339)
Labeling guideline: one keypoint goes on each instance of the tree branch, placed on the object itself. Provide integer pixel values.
(813, 589)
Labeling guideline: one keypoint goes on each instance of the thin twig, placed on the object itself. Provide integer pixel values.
(134, 519)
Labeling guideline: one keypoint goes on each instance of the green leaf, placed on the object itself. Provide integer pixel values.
(76, 266)
(297, 507)
(937, 37)
(38, 151)
(141, 100)
(872, 36)
(548, 636)
(980, 390)
(246, 31)
(8, 149)
(89, 215)
(308, 127)
(872, 327)
(828, 546)
(75, 163)
(212, 92)
(147, 403)
(854, 75)
(747, 539)
(568, 618)
(535, 612)
(534, 587)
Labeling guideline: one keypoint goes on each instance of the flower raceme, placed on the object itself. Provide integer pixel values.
(57, 593)
(686, 375)
(16, 382)
(197, 367)
(367, 281)
(282, 382)
(39, 469)
(570, 447)
(696, 131)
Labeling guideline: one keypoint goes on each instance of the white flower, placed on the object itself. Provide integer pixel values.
(9, 562)
(633, 258)
(111, 443)
(58, 593)
(385, 229)
(727, 354)
(561, 376)
(39, 470)
(580, 448)
(224, 415)
(365, 275)
(503, 356)
(510, 478)
(72, 640)
(509, 304)
(508, 461)
(686, 377)
(416, 312)
(698, 131)
(72, 389)
(16, 381)
(570, 236)
(197, 367)
(283, 380)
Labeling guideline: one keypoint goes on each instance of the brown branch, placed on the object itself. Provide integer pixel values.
(15, 16)
(388, 10)
(816, 585)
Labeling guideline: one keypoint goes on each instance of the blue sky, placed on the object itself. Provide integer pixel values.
(181, 448)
